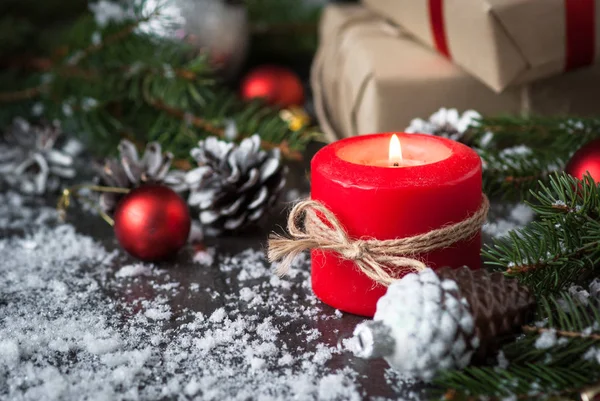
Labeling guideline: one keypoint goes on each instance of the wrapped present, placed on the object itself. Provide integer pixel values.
(369, 76)
(502, 42)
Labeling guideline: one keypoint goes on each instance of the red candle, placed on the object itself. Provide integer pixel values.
(378, 191)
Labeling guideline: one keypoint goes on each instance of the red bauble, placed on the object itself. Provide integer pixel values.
(277, 85)
(586, 159)
(152, 222)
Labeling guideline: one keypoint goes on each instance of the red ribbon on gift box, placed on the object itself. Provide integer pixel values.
(438, 28)
(580, 31)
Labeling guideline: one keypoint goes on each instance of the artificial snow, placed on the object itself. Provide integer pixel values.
(80, 321)
(285, 360)
(218, 315)
(582, 295)
(520, 150)
(337, 386)
(518, 216)
(486, 139)
(351, 344)
(9, 352)
(205, 257)
(522, 214)
(546, 340)
(134, 270)
(502, 360)
(99, 346)
(322, 355)
(592, 354)
(105, 11)
(159, 313)
(402, 384)
(192, 388)
(595, 289)
(247, 295)
(578, 294)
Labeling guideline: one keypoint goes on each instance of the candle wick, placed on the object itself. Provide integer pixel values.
(396, 164)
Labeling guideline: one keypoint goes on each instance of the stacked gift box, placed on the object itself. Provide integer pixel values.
(385, 62)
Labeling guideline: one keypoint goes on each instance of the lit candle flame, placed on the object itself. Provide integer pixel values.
(395, 155)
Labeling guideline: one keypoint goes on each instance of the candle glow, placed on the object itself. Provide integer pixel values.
(395, 151)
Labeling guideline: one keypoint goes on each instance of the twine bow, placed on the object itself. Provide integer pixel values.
(312, 226)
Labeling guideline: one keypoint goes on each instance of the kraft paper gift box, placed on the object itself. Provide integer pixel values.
(369, 76)
(503, 42)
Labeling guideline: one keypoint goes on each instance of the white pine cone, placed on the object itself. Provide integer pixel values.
(444, 319)
(445, 122)
(35, 158)
(422, 325)
(129, 171)
(234, 185)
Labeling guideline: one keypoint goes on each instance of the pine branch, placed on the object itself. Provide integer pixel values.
(116, 37)
(562, 312)
(526, 150)
(220, 132)
(186, 117)
(561, 333)
(538, 372)
(556, 251)
(144, 88)
(22, 94)
(522, 382)
(71, 63)
(531, 131)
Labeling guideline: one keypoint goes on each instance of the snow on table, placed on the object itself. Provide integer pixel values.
(81, 320)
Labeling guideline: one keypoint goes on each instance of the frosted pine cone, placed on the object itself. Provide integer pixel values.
(429, 326)
(129, 171)
(234, 185)
(36, 158)
(431, 321)
(445, 122)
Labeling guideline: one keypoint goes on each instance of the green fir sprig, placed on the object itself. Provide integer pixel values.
(559, 248)
(549, 255)
(106, 83)
(519, 152)
(535, 368)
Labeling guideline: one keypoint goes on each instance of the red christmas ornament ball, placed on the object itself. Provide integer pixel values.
(152, 222)
(277, 85)
(586, 159)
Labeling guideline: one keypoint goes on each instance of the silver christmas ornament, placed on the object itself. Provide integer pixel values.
(218, 28)
(130, 171)
(234, 185)
(36, 158)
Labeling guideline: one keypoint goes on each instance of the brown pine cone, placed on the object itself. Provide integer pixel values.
(499, 305)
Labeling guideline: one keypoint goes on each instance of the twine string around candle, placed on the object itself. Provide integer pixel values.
(312, 226)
